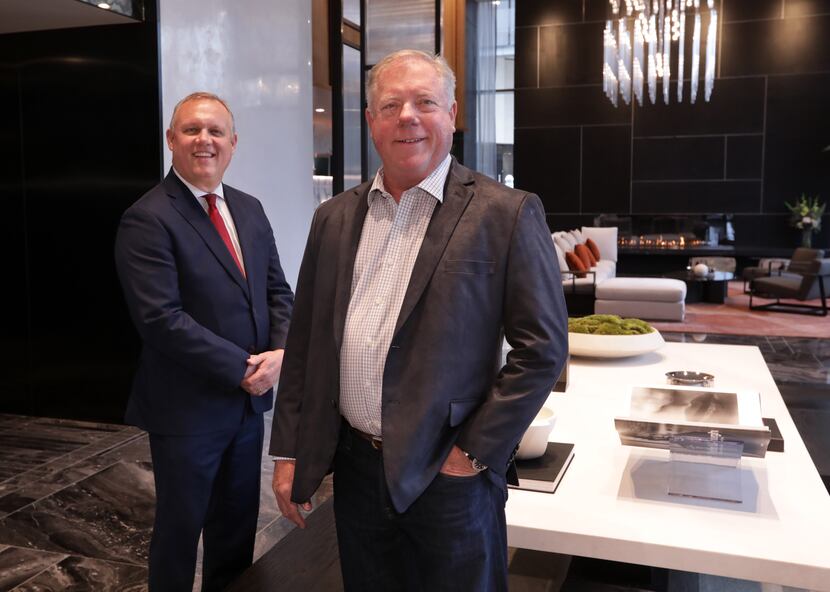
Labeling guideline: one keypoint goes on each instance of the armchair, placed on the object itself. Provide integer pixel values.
(803, 279)
(764, 268)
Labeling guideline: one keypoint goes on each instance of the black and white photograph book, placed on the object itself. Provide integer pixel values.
(659, 415)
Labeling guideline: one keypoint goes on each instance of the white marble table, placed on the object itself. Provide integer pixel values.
(612, 502)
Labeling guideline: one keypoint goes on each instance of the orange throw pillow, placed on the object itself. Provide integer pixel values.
(575, 263)
(594, 248)
(585, 254)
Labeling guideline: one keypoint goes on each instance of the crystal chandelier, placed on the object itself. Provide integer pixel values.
(638, 43)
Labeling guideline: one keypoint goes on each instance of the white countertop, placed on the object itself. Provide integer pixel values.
(612, 502)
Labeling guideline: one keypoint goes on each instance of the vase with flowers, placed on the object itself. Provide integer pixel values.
(806, 216)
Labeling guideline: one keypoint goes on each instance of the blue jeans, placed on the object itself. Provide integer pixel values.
(452, 538)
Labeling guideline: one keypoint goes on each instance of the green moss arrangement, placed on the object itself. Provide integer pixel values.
(603, 324)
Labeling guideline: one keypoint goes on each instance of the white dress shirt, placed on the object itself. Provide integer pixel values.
(389, 244)
(222, 207)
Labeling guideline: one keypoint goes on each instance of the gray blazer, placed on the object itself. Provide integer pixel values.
(486, 269)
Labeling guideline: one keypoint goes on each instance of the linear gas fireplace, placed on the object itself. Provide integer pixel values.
(693, 233)
(657, 244)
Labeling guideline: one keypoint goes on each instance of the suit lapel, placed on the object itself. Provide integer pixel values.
(353, 217)
(444, 220)
(187, 205)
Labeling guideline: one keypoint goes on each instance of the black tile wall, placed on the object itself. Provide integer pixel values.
(798, 129)
(743, 156)
(597, 10)
(757, 142)
(569, 221)
(769, 230)
(567, 105)
(527, 70)
(736, 106)
(606, 169)
(781, 46)
(679, 158)
(796, 8)
(548, 12)
(88, 150)
(14, 331)
(742, 10)
(547, 163)
(558, 44)
(703, 197)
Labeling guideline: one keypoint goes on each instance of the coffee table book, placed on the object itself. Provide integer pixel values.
(659, 414)
(544, 473)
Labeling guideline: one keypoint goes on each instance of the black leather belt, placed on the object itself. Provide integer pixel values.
(376, 442)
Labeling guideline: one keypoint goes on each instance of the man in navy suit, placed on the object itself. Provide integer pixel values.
(392, 371)
(203, 283)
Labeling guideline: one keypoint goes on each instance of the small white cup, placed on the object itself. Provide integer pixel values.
(535, 439)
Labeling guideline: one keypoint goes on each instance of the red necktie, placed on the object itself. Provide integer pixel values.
(216, 218)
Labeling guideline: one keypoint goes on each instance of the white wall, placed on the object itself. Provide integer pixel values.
(256, 54)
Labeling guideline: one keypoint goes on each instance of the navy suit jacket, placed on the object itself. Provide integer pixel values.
(198, 317)
(486, 269)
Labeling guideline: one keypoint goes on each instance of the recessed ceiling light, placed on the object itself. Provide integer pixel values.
(104, 5)
(320, 110)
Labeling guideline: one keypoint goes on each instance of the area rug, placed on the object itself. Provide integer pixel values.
(733, 317)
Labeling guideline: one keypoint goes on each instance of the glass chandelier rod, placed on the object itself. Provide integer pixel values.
(638, 40)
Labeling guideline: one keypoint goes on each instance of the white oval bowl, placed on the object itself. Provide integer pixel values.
(535, 439)
(613, 346)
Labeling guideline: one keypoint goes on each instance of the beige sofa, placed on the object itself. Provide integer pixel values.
(601, 292)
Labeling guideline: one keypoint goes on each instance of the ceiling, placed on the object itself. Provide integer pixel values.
(38, 15)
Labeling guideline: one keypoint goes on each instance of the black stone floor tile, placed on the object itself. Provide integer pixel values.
(19, 565)
(83, 573)
(812, 426)
(106, 516)
(136, 448)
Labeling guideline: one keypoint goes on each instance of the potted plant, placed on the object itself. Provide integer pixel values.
(806, 216)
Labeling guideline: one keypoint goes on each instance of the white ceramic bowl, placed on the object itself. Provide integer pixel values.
(535, 439)
(613, 346)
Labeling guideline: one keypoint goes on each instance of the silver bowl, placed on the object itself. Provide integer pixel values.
(689, 378)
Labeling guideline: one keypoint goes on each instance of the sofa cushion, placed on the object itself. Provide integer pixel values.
(605, 238)
(575, 263)
(563, 243)
(642, 289)
(560, 257)
(605, 269)
(589, 242)
(570, 240)
(585, 254)
(652, 311)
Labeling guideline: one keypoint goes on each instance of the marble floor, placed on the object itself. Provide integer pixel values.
(76, 498)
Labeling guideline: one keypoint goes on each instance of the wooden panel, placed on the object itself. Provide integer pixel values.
(452, 48)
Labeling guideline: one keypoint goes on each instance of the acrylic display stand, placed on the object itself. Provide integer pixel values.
(705, 467)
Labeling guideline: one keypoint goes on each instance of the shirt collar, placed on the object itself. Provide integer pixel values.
(433, 184)
(219, 191)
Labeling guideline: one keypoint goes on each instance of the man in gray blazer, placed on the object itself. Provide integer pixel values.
(392, 374)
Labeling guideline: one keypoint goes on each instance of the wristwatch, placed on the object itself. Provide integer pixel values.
(477, 465)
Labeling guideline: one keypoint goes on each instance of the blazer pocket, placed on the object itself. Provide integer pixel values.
(470, 266)
(460, 409)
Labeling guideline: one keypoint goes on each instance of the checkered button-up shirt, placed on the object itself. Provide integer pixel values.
(389, 244)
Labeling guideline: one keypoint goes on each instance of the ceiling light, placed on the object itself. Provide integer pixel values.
(104, 5)
(638, 41)
(320, 110)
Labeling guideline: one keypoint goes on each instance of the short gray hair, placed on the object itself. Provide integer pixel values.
(436, 61)
(202, 96)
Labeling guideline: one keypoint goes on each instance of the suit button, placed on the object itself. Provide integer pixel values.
(334, 403)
